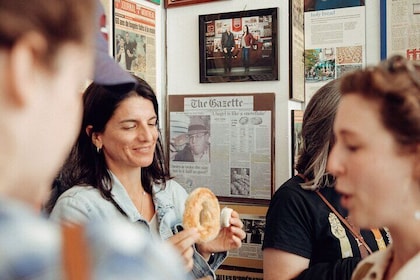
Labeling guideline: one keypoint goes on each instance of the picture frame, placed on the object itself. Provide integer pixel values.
(233, 273)
(224, 142)
(134, 38)
(177, 3)
(397, 20)
(227, 55)
(296, 132)
(250, 254)
(297, 50)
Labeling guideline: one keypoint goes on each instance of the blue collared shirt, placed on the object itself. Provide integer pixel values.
(83, 203)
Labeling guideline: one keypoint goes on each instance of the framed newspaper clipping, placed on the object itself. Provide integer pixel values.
(400, 33)
(297, 51)
(224, 142)
(250, 254)
(135, 39)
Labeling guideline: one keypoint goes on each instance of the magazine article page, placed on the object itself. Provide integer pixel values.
(403, 28)
(335, 42)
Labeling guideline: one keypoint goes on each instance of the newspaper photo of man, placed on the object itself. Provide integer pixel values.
(197, 149)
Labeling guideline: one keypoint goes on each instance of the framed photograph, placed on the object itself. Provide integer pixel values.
(233, 273)
(250, 253)
(296, 132)
(399, 28)
(224, 142)
(176, 3)
(238, 46)
(297, 51)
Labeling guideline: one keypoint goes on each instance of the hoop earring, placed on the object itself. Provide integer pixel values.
(98, 150)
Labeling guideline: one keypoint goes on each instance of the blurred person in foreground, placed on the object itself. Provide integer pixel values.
(376, 162)
(304, 237)
(47, 54)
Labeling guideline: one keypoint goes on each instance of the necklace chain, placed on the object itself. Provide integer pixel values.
(141, 202)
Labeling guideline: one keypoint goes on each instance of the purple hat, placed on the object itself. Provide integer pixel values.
(107, 71)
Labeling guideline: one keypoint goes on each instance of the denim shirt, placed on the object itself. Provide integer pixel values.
(31, 248)
(82, 203)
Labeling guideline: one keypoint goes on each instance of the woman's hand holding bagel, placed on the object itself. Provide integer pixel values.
(202, 211)
(228, 238)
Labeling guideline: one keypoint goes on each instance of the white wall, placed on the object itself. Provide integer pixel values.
(182, 62)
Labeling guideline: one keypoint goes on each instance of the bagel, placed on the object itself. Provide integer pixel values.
(202, 211)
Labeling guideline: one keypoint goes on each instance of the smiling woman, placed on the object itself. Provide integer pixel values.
(118, 167)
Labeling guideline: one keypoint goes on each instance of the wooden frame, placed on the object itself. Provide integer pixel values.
(257, 61)
(238, 162)
(235, 274)
(297, 51)
(176, 3)
(250, 254)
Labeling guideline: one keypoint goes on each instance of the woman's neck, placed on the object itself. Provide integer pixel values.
(405, 245)
(131, 180)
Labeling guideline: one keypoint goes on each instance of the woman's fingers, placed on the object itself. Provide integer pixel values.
(188, 258)
(183, 242)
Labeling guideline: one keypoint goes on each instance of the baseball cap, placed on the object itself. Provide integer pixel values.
(107, 71)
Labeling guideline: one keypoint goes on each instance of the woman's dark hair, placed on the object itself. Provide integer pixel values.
(246, 29)
(86, 166)
(318, 136)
